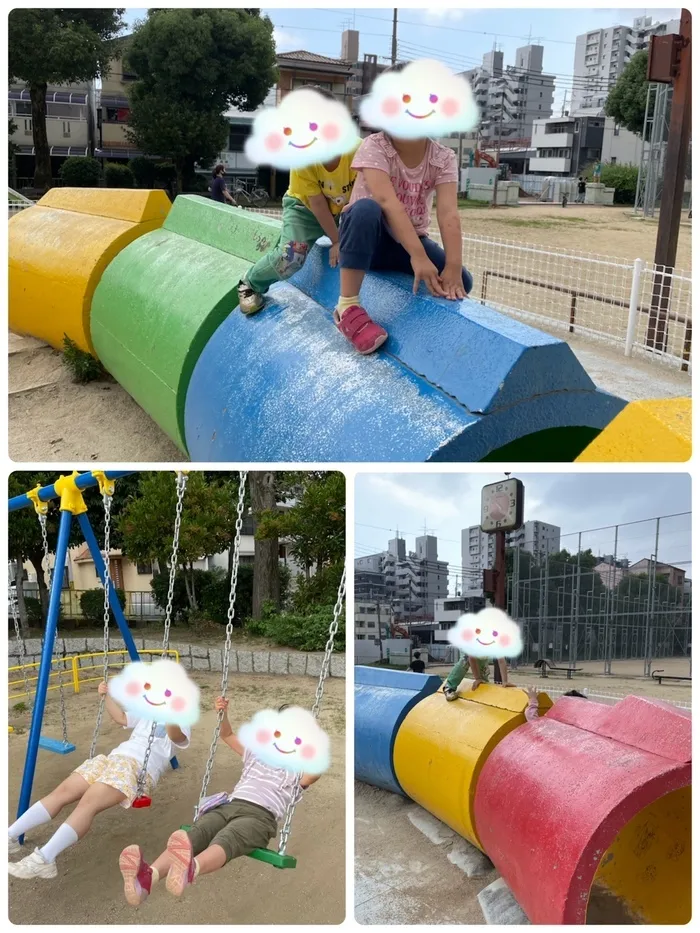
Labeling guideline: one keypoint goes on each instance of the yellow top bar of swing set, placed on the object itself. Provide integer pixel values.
(41, 508)
(104, 482)
(71, 497)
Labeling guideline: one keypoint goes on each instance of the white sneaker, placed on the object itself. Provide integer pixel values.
(33, 866)
(13, 847)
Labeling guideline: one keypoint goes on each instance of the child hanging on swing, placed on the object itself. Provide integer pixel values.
(247, 821)
(99, 783)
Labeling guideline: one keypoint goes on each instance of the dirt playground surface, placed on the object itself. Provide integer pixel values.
(88, 889)
(608, 231)
(410, 867)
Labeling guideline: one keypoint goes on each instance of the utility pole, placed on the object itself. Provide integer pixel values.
(379, 631)
(670, 63)
(393, 37)
(499, 596)
(563, 106)
(498, 148)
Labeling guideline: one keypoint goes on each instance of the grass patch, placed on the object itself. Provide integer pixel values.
(468, 203)
(83, 366)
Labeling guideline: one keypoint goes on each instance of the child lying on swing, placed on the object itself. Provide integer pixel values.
(246, 822)
(98, 784)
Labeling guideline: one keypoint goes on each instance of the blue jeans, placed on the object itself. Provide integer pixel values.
(366, 243)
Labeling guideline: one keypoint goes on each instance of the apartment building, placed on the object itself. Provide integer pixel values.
(601, 55)
(479, 550)
(113, 109)
(372, 620)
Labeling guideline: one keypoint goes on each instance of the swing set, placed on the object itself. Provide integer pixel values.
(69, 490)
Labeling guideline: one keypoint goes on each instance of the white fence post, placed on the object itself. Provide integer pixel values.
(633, 315)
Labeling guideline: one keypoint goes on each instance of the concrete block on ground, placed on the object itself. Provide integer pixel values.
(313, 664)
(469, 859)
(187, 663)
(216, 660)
(33, 645)
(338, 665)
(245, 662)
(261, 662)
(199, 651)
(279, 662)
(200, 664)
(95, 644)
(75, 645)
(297, 663)
(499, 906)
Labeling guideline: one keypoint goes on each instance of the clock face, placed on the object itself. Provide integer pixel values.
(501, 506)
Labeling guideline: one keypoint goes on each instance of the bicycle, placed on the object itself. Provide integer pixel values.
(258, 197)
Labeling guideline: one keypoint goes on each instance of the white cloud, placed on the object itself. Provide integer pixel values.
(411, 498)
(286, 41)
(443, 14)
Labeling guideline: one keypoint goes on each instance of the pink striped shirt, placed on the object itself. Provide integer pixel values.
(272, 788)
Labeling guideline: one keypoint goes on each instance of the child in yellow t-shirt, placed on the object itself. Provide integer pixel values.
(310, 209)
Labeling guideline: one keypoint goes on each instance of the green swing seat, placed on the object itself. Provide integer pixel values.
(267, 855)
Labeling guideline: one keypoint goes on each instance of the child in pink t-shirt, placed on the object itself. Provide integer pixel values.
(386, 224)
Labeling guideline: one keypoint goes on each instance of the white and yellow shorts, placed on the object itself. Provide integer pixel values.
(117, 771)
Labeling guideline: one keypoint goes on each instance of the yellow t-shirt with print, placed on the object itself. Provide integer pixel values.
(336, 186)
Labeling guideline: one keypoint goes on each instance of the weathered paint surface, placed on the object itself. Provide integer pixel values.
(383, 698)
(659, 430)
(162, 298)
(441, 748)
(587, 801)
(59, 249)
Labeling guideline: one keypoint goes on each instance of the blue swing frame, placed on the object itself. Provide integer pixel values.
(35, 742)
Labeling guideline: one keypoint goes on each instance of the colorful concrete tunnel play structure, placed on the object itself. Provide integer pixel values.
(149, 290)
(585, 812)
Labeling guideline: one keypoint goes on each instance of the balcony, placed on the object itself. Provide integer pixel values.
(558, 140)
(556, 166)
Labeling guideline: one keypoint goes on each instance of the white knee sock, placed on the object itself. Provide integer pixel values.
(64, 836)
(35, 816)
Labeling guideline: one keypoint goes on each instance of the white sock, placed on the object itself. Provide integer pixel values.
(64, 836)
(34, 816)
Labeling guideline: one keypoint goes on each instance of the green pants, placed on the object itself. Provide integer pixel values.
(456, 675)
(299, 232)
(238, 827)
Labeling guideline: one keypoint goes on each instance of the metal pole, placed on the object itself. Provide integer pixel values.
(499, 596)
(83, 481)
(114, 603)
(498, 149)
(643, 163)
(652, 603)
(393, 36)
(42, 685)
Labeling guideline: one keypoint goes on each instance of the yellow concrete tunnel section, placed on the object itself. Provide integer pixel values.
(59, 249)
(442, 746)
(643, 875)
(645, 432)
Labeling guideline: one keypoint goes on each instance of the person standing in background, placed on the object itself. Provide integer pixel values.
(218, 189)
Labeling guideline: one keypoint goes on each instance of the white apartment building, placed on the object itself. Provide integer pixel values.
(368, 619)
(479, 550)
(601, 55)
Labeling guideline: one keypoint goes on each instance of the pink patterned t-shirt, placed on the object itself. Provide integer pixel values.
(414, 187)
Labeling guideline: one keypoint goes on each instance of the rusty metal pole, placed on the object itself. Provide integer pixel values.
(673, 187)
(499, 596)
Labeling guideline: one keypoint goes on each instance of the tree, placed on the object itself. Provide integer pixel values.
(147, 522)
(627, 100)
(58, 46)
(12, 149)
(24, 532)
(266, 573)
(193, 65)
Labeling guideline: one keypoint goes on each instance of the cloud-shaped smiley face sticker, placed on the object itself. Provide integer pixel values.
(160, 692)
(486, 634)
(305, 129)
(290, 739)
(423, 99)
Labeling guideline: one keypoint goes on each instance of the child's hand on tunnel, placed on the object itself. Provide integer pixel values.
(477, 683)
(451, 281)
(532, 694)
(334, 255)
(425, 271)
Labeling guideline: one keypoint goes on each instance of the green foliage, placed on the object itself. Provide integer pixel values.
(484, 669)
(118, 175)
(303, 632)
(197, 184)
(193, 64)
(80, 172)
(144, 171)
(20, 707)
(82, 365)
(623, 178)
(92, 604)
(58, 46)
(215, 594)
(626, 102)
(34, 613)
(320, 589)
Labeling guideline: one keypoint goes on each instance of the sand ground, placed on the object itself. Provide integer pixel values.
(88, 888)
(610, 231)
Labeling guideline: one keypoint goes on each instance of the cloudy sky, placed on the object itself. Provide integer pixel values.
(458, 37)
(445, 503)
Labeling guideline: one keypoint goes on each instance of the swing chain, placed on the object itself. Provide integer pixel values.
(325, 667)
(181, 484)
(107, 503)
(21, 647)
(243, 475)
(48, 577)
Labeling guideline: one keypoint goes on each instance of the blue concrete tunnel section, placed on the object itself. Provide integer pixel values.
(456, 381)
(383, 699)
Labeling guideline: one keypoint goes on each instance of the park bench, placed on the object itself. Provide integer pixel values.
(659, 675)
(544, 665)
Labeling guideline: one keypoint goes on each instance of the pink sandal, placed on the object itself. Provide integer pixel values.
(360, 329)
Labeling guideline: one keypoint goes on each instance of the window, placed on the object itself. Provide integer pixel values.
(616, 131)
(66, 127)
(23, 108)
(117, 115)
(360, 624)
(237, 135)
(540, 93)
(613, 160)
(27, 127)
(144, 568)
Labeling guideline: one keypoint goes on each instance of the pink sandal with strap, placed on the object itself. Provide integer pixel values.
(360, 329)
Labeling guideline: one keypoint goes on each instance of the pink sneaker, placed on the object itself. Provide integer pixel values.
(181, 863)
(360, 329)
(137, 875)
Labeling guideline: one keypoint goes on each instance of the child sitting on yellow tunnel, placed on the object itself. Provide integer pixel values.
(310, 209)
